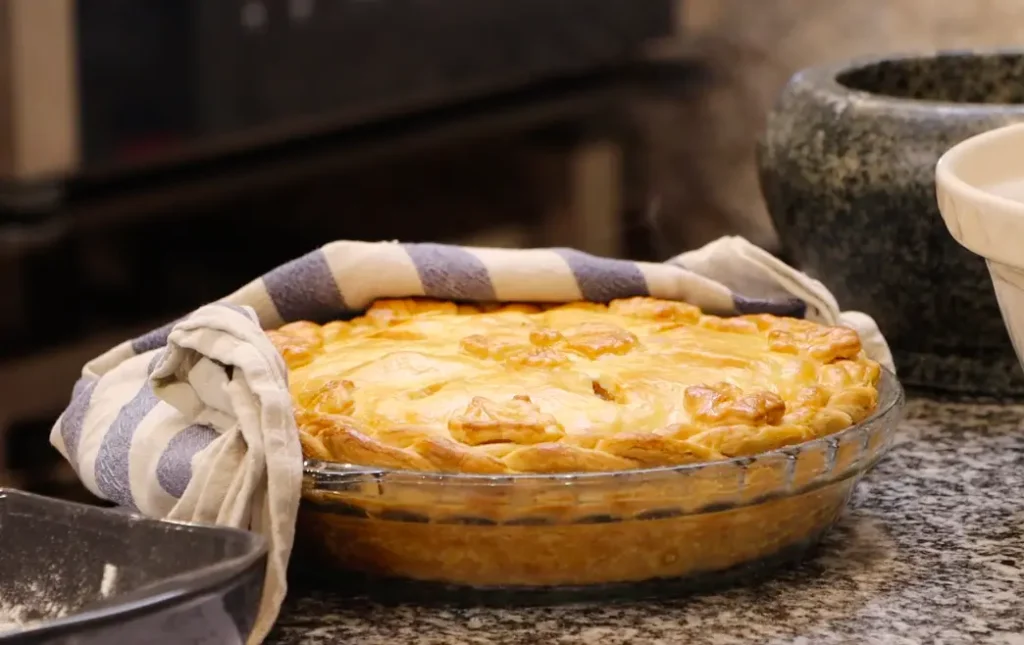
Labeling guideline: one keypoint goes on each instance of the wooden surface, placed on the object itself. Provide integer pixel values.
(583, 186)
(38, 98)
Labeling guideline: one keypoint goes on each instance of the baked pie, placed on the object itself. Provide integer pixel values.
(423, 388)
(422, 385)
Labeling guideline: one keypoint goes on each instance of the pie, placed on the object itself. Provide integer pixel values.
(638, 383)
(616, 392)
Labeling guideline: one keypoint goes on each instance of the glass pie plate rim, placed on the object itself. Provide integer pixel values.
(326, 476)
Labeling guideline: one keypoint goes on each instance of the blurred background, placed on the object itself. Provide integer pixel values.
(156, 155)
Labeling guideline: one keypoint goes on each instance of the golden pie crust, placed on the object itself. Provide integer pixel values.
(437, 386)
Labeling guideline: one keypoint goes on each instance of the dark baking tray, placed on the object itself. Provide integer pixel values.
(89, 576)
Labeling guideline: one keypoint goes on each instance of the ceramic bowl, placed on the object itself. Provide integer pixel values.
(980, 188)
(847, 168)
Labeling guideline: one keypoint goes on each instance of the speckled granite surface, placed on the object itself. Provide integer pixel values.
(931, 552)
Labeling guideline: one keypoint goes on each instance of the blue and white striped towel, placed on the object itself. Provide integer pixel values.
(193, 421)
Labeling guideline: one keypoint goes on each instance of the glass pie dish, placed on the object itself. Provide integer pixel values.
(589, 530)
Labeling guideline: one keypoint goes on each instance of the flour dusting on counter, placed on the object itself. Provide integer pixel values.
(16, 617)
(8, 622)
(109, 580)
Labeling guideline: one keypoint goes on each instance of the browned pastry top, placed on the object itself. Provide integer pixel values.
(438, 386)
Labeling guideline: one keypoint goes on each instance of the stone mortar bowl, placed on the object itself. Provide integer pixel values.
(846, 166)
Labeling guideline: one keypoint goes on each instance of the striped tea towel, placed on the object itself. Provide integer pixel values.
(193, 421)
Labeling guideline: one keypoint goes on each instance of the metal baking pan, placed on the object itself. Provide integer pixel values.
(83, 575)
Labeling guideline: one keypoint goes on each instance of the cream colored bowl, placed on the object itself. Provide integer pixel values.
(980, 186)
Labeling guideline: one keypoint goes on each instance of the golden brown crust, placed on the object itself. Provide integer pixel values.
(516, 421)
(640, 382)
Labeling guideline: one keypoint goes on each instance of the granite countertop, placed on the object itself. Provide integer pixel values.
(931, 551)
